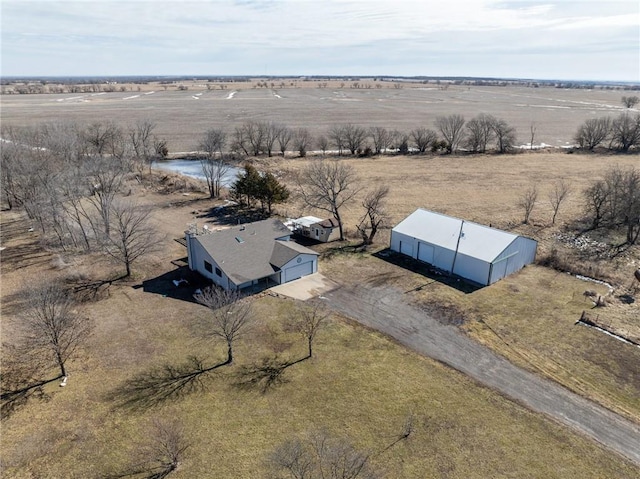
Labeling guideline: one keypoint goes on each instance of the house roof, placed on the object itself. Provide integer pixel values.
(285, 251)
(471, 239)
(245, 252)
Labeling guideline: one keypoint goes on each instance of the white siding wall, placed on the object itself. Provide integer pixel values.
(521, 252)
(441, 258)
(473, 269)
(197, 257)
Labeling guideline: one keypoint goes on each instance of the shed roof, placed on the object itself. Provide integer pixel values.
(245, 252)
(307, 221)
(475, 240)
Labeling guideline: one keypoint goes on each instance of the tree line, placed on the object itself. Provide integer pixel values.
(620, 133)
(254, 138)
(71, 182)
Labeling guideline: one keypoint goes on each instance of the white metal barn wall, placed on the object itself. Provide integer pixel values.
(521, 252)
(441, 258)
(471, 268)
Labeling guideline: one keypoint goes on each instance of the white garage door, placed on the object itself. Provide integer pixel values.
(406, 247)
(425, 253)
(297, 271)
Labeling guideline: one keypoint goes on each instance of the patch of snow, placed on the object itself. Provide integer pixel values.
(150, 93)
(276, 95)
(231, 95)
(130, 97)
(96, 94)
(597, 281)
(195, 97)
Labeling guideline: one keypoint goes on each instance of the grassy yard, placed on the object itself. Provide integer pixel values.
(359, 385)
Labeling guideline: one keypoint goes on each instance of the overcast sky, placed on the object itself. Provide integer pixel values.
(558, 39)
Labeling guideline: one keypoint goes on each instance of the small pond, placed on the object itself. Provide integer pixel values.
(193, 169)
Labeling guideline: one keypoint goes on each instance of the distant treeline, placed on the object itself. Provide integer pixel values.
(40, 85)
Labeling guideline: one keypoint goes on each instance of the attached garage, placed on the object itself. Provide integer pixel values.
(475, 252)
(293, 260)
(297, 271)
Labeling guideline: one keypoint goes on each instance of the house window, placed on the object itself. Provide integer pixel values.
(208, 267)
(218, 272)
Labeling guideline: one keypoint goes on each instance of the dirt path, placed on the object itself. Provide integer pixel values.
(386, 310)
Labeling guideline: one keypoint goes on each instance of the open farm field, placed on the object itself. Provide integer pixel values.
(182, 116)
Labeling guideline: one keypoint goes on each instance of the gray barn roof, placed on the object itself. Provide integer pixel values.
(247, 252)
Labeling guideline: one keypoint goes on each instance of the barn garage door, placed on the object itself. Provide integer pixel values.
(297, 271)
(425, 253)
(406, 247)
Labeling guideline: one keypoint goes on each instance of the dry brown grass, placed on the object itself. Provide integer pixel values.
(360, 385)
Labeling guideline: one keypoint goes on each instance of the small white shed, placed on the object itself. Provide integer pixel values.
(475, 252)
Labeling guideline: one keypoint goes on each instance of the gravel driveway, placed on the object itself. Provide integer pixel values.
(387, 310)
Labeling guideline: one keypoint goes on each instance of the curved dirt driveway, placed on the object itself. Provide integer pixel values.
(384, 309)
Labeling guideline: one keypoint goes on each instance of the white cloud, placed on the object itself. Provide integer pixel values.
(204, 37)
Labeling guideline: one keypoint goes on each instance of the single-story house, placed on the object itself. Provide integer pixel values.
(249, 254)
(316, 228)
(472, 251)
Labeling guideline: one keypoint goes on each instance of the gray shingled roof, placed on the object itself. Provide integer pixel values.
(251, 251)
(285, 251)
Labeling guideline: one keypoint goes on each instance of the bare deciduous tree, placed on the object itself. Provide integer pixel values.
(230, 316)
(625, 132)
(271, 134)
(630, 101)
(337, 136)
(557, 196)
(328, 185)
(528, 201)
(593, 132)
(451, 129)
(214, 166)
(321, 455)
(380, 137)
(106, 176)
(308, 321)
(302, 140)
(50, 324)
(141, 137)
(423, 138)
(167, 446)
(131, 235)
(354, 137)
(323, 144)
(480, 133)
(505, 136)
(375, 214)
(596, 199)
(285, 135)
(160, 453)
